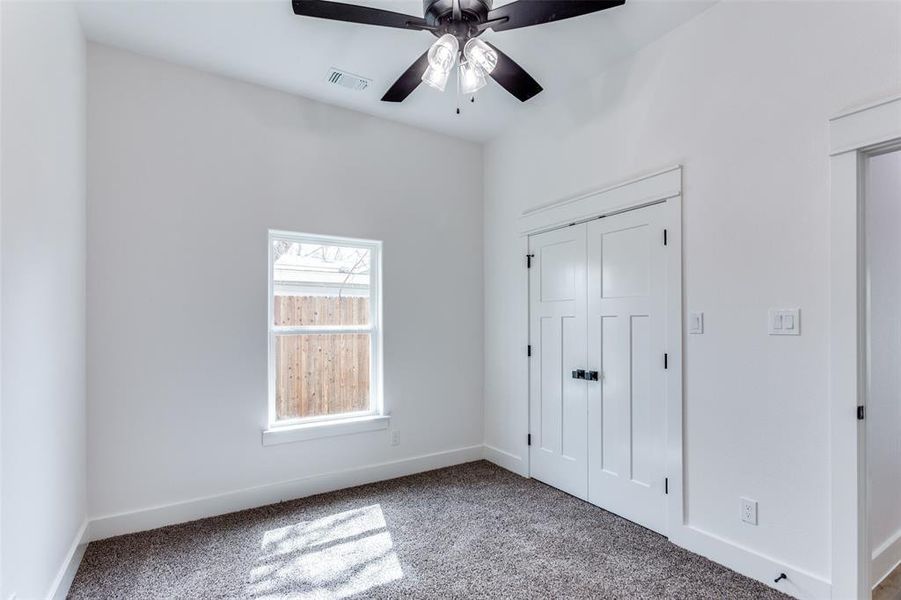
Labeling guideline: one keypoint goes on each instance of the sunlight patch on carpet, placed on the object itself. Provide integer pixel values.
(336, 556)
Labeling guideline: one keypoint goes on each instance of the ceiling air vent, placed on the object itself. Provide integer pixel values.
(348, 80)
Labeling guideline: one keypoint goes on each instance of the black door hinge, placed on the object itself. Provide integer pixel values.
(528, 439)
(861, 413)
(529, 258)
(664, 237)
(665, 360)
(666, 485)
(529, 351)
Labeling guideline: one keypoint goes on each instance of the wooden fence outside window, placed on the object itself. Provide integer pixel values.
(321, 374)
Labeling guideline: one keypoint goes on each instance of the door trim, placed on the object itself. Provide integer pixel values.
(853, 135)
(650, 188)
(662, 186)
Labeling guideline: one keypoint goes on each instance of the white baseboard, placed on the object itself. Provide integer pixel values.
(506, 460)
(799, 584)
(885, 558)
(66, 574)
(209, 506)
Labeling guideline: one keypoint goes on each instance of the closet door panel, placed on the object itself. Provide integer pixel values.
(558, 402)
(625, 337)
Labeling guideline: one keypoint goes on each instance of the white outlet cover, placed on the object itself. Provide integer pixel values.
(748, 511)
(784, 321)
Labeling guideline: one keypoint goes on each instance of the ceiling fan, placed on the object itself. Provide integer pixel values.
(458, 24)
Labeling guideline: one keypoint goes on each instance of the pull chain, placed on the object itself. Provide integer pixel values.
(459, 82)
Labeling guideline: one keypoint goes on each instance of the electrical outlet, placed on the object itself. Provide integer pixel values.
(395, 438)
(749, 511)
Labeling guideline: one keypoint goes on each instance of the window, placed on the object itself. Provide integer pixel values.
(324, 330)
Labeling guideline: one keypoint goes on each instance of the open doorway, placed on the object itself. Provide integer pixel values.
(864, 294)
(882, 287)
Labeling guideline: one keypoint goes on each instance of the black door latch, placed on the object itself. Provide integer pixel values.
(586, 375)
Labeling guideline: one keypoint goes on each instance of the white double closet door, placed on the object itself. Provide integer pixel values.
(597, 305)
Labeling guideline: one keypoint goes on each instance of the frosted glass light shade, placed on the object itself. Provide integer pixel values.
(443, 53)
(442, 56)
(481, 55)
(472, 79)
(435, 78)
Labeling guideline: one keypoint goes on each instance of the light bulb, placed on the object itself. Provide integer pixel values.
(481, 55)
(443, 53)
(435, 78)
(471, 78)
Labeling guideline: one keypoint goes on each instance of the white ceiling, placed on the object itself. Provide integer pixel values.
(263, 42)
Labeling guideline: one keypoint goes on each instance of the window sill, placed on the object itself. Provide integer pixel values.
(311, 431)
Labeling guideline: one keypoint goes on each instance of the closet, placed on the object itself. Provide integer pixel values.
(598, 362)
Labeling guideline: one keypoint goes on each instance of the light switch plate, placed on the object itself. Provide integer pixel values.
(696, 322)
(784, 321)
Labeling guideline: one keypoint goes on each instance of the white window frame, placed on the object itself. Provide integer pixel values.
(298, 429)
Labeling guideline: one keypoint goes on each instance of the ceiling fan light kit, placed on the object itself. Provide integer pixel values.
(479, 62)
(459, 23)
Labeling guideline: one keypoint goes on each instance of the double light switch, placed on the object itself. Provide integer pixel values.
(785, 321)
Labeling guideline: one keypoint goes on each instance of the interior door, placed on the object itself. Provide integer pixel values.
(626, 336)
(558, 402)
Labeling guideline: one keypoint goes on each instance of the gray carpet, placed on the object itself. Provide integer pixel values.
(471, 531)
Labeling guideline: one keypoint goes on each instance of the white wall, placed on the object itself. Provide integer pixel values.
(42, 228)
(883, 234)
(740, 96)
(186, 171)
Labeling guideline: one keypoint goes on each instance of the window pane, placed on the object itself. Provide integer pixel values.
(318, 284)
(320, 310)
(321, 374)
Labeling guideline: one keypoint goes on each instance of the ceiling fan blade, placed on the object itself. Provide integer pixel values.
(407, 82)
(514, 78)
(352, 13)
(535, 12)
